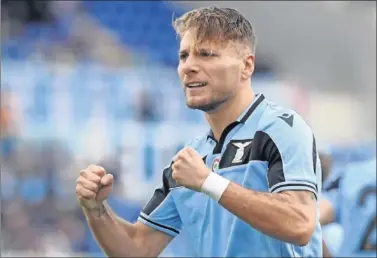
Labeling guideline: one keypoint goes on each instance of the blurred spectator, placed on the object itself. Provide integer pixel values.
(6, 115)
(9, 129)
(19, 233)
(146, 107)
(28, 11)
(4, 119)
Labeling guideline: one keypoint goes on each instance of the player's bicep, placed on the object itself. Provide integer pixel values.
(291, 155)
(151, 241)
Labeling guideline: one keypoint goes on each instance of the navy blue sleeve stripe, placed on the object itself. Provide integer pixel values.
(296, 188)
(159, 225)
(292, 186)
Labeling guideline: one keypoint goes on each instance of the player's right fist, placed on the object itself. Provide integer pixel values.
(93, 186)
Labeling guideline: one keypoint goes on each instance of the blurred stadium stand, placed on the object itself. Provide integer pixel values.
(95, 82)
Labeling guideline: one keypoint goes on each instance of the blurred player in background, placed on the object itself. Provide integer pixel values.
(350, 199)
(326, 164)
(249, 187)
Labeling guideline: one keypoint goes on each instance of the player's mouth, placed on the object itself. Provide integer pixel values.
(195, 85)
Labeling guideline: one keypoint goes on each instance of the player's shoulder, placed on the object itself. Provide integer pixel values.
(279, 118)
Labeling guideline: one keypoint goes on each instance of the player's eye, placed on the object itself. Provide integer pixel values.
(183, 56)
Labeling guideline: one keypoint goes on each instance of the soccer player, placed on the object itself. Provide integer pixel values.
(351, 201)
(248, 187)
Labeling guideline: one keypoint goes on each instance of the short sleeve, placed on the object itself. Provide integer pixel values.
(288, 145)
(160, 212)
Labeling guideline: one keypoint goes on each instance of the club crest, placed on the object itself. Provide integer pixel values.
(240, 151)
(215, 164)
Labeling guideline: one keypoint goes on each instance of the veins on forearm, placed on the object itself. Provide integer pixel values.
(272, 197)
(292, 197)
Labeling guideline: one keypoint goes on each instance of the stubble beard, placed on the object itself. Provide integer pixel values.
(208, 107)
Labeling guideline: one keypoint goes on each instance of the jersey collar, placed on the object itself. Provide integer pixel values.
(244, 116)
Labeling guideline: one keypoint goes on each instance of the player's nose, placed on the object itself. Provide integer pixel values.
(190, 66)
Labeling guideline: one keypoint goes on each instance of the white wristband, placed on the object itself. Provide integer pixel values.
(214, 186)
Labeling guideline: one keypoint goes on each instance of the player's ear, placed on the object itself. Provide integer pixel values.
(248, 67)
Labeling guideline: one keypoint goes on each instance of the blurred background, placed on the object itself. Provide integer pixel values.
(95, 82)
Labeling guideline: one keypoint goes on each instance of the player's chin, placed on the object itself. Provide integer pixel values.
(201, 104)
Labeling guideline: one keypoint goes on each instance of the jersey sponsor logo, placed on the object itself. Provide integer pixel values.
(288, 118)
(238, 157)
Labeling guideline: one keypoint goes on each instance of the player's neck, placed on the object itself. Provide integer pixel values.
(230, 111)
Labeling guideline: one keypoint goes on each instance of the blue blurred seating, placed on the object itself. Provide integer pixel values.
(141, 25)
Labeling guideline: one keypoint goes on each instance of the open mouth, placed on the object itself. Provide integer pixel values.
(196, 84)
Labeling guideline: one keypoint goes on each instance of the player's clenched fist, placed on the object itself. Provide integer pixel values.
(93, 186)
(189, 169)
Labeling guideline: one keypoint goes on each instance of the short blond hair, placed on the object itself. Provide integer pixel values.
(217, 24)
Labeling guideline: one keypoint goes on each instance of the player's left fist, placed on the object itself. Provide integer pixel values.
(189, 169)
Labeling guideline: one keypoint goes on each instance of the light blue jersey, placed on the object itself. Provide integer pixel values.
(268, 149)
(353, 198)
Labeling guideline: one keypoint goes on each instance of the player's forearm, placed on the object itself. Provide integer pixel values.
(114, 235)
(271, 213)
